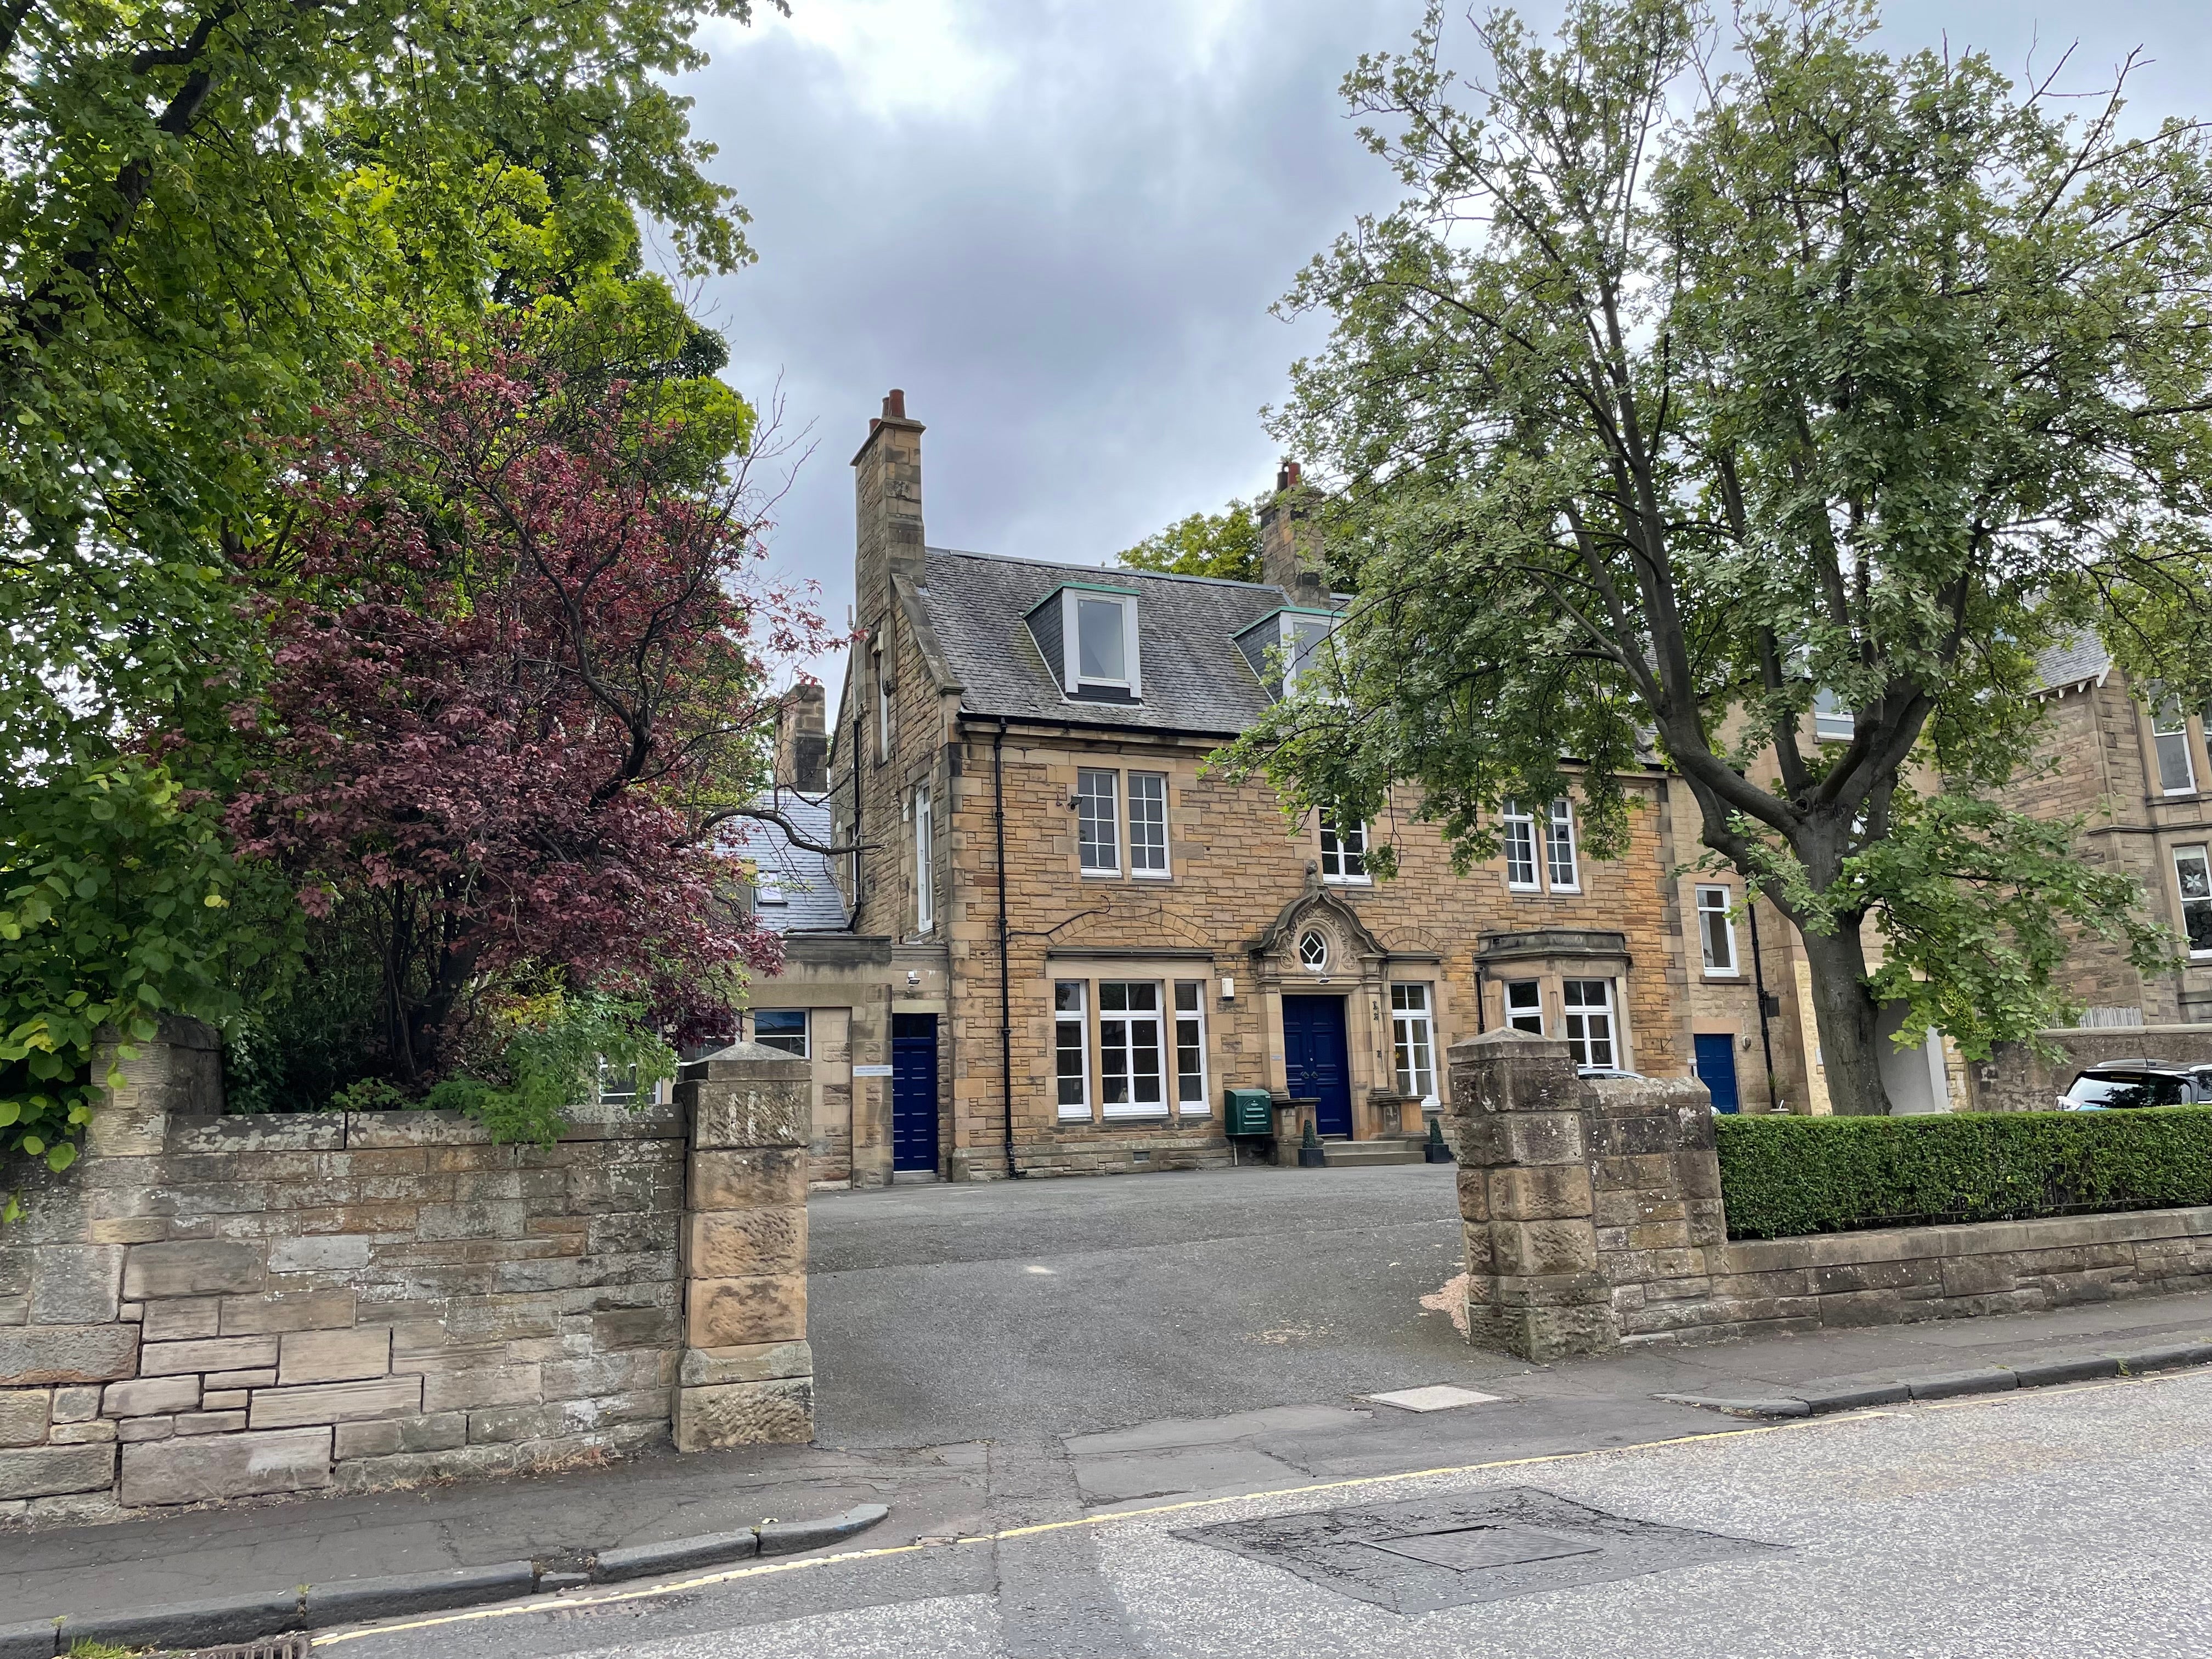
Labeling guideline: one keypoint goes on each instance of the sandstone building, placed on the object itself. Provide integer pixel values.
(1064, 938)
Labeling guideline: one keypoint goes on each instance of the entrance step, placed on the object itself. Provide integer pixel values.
(914, 1177)
(1359, 1154)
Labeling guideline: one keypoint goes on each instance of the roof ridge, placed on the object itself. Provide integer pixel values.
(1113, 570)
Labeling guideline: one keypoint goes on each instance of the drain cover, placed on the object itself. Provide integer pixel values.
(269, 1647)
(1449, 1552)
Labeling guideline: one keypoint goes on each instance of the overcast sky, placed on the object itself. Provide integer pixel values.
(1058, 225)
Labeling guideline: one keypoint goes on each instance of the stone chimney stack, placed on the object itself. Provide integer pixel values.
(887, 503)
(1290, 556)
(802, 742)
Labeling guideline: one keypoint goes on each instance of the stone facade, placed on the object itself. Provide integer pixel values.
(2144, 812)
(1221, 927)
(1593, 1218)
(2016, 1078)
(209, 1307)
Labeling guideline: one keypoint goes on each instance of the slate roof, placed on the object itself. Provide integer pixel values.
(2068, 663)
(1195, 679)
(812, 903)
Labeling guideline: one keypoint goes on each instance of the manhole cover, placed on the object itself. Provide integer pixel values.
(1449, 1552)
(269, 1647)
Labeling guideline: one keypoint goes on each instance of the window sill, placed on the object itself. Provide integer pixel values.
(1734, 976)
(1135, 1114)
(1148, 875)
(1348, 881)
(1074, 1115)
(1102, 875)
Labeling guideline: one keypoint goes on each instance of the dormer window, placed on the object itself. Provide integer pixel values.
(1284, 646)
(1089, 636)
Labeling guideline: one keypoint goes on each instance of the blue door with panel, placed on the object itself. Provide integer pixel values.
(1315, 1059)
(914, 1091)
(1716, 1068)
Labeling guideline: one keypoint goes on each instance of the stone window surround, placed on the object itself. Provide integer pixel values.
(1550, 957)
(1332, 842)
(1541, 840)
(1125, 842)
(1723, 912)
(1090, 970)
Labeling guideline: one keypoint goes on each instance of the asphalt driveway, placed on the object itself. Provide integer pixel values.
(1027, 1309)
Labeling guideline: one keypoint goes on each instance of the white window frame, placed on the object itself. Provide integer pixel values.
(925, 863)
(1131, 1021)
(2201, 859)
(1071, 640)
(1714, 904)
(1518, 1013)
(1559, 833)
(1294, 663)
(1343, 865)
(1140, 851)
(805, 1049)
(1191, 1022)
(1077, 1021)
(1520, 843)
(1835, 723)
(2169, 738)
(1311, 964)
(1575, 1018)
(1109, 816)
(1413, 1042)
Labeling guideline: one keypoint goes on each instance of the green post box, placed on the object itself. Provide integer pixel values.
(1250, 1112)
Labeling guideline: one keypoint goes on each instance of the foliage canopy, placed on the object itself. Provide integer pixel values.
(1706, 368)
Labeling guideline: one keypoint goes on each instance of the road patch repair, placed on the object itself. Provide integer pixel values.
(1437, 1397)
(243, 1621)
(1435, 1553)
(1845, 1394)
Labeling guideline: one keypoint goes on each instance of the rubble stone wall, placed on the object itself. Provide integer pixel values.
(1593, 1218)
(209, 1307)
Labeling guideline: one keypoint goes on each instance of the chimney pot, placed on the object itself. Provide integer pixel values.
(874, 425)
(894, 405)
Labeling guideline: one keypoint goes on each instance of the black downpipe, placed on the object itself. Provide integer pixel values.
(1759, 989)
(1006, 968)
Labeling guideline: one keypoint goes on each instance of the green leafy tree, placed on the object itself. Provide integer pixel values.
(210, 208)
(1703, 371)
(1224, 544)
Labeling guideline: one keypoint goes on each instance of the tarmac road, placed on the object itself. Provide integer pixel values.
(2052, 1522)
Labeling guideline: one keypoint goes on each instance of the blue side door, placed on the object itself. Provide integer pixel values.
(1314, 1058)
(1716, 1068)
(914, 1091)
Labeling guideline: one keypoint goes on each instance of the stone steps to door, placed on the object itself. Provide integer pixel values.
(1357, 1154)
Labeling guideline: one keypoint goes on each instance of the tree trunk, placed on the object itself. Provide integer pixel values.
(1851, 1048)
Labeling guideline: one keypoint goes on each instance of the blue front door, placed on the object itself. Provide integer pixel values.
(1315, 1059)
(1716, 1068)
(914, 1091)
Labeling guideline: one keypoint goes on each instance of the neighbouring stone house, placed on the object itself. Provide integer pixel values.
(1086, 936)
(2136, 766)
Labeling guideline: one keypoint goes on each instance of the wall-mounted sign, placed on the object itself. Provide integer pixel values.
(872, 1070)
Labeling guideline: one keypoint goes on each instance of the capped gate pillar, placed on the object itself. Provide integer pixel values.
(1519, 1119)
(747, 1376)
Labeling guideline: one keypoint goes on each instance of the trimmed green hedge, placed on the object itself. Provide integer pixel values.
(1782, 1177)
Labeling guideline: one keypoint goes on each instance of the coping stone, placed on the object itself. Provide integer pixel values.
(675, 1555)
(1949, 1384)
(351, 1600)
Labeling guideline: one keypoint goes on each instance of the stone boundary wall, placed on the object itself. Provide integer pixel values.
(1593, 1219)
(209, 1307)
(2015, 1079)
